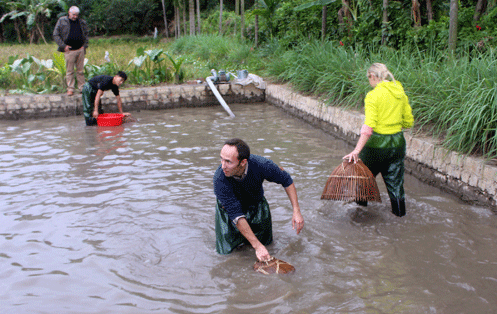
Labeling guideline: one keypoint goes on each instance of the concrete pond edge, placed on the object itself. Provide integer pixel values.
(470, 178)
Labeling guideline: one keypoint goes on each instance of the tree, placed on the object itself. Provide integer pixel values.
(243, 17)
(480, 5)
(384, 23)
(237, 12)
(191, 13)
(322, 3)
(267, 9)
(198, 17)
(429, 10)
(453, 25)
(345, 17)
(220, 17)
(165, 18)
(256, 30)
(35, 12)
(416, 13)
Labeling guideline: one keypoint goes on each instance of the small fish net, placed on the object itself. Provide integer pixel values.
(351, 182)
(273, 266)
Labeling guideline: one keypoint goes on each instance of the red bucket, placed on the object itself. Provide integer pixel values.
(110, 119)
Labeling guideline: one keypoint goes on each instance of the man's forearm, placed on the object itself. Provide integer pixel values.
(291, 191)
(119, 104)
(247, 232)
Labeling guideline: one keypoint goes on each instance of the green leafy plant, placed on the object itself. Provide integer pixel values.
(59, 67)
(179, 74)
(5, 80)
(149, 66)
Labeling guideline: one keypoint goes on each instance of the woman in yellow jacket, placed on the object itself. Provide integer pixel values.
(381, 145)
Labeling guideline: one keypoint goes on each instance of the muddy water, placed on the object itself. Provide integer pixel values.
(120, 220)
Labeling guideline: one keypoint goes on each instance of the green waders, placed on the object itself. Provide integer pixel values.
(89, 95)
(229, 238)
(385, 153)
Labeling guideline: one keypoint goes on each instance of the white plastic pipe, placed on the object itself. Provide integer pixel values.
(218, 96)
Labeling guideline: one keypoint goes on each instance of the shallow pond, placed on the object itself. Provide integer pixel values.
(121, 220)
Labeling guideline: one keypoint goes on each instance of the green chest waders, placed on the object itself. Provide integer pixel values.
(89, 94)
(227, 235)
(385, 153)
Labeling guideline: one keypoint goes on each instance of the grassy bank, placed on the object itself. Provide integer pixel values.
(455, 99)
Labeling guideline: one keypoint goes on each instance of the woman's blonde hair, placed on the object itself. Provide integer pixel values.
(380, 71)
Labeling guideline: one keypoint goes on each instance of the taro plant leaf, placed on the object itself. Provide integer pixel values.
(16, 66)
(48, 64)
(25, 67)
(13, 59)
(154, 54)
(140, 51)
(138, 61)
(31, 78)
(41, 77)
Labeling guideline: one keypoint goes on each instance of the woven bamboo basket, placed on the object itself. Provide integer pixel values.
(351, 182)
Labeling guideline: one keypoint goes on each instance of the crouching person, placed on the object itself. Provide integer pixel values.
(93, 91)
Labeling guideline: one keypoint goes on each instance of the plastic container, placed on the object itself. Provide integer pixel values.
(242, 74)
(110, 119)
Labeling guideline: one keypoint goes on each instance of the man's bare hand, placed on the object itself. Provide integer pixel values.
(262, 253)
(297, 222)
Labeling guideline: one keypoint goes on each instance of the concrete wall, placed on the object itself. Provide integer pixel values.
(151, 98)
(472, 179)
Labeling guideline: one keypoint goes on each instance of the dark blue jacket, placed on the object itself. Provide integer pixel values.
(235, 196)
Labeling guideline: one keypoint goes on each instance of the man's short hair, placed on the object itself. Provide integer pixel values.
(242, 148)
(123, 75)
(74, 9)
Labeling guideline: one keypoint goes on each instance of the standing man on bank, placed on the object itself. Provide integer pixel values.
(71, 35)
(242, 211)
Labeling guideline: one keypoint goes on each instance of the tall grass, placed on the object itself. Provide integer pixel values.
(455, 99)
(206, 52)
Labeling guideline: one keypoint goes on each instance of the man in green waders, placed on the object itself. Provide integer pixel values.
(93, 91)
(242, 211)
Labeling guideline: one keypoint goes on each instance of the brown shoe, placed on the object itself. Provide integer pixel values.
(70, 93)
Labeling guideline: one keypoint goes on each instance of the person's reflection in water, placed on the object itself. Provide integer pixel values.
(109, 138)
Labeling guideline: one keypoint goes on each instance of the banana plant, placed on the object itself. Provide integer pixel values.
(32, 11)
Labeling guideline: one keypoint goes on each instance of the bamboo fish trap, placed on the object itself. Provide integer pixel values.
(273, 266)
(351, 182)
